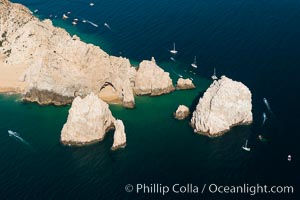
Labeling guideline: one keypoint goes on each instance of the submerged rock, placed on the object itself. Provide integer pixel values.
(182, 112)
(119, 136)
(226, 103)
(152, 80)
(88, 121)
(185, 84)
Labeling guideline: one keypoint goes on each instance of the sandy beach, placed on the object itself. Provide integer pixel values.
(10, 77)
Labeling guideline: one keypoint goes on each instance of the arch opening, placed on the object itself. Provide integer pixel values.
(109, 93)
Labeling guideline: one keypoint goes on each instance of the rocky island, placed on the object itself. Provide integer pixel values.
(226, 103)
(49, 66)
(182, 112)
(185, 84)
(89, 120)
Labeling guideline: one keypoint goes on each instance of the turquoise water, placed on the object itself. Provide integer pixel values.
(256, 42)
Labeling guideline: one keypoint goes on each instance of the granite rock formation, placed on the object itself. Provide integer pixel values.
(226, 103)
(152, 80)
(185, 84)
(60, 67)
(182, 112)
(119, 136)
(88, 121)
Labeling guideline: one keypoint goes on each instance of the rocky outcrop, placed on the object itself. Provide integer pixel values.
(88, 121)
(60, 67)
(152, 80)
(182, 112)
(185, 84)
(226, 103)
(119, 136)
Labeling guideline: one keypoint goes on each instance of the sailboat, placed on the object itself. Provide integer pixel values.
(214, 77)
(245, 146)
(173, 51)
(194, 64)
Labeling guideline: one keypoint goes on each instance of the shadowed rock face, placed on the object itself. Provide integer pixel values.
(62, 65)
(226, 103)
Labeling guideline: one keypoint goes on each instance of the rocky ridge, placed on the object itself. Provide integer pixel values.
(61, 67)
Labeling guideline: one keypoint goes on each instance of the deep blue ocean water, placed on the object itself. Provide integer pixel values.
(256, 42)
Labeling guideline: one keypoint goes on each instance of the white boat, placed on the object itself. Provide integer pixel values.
(12, 133)
(74, 23)
(17, 137)
(214, 77)
(173, 59)
(194, 64)
(92, 4)
(174, 51)
(245, 147)
(65, 16)
(107, 25)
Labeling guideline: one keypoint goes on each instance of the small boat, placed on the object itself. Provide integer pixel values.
(180, 75)
(76, 20)
(194, 64)
(74, 23)
(92, 4)
(245, 147)
(65, 16)
(36, 10)
(191, 79)
(12, 133)
(173, 59)
(214, 77)
(107, 25)
(289, 158)
(261, 138)
(84, 21)
(68, 12)
(174, 51)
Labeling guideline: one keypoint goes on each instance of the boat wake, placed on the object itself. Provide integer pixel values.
(173, 59)
(177, 74)
(264, 118)
(16, 136)
(92, 23)
(268, 105)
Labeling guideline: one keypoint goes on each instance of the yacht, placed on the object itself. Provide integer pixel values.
(194, 64)
(245, 146)
(174, 51)
(214, 77)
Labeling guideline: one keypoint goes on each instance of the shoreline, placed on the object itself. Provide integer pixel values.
(10, 77)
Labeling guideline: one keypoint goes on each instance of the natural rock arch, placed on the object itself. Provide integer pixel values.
(109, 93)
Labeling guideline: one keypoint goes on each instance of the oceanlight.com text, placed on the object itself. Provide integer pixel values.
(157, 188)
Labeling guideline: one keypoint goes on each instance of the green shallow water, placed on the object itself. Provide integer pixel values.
(255, 42)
